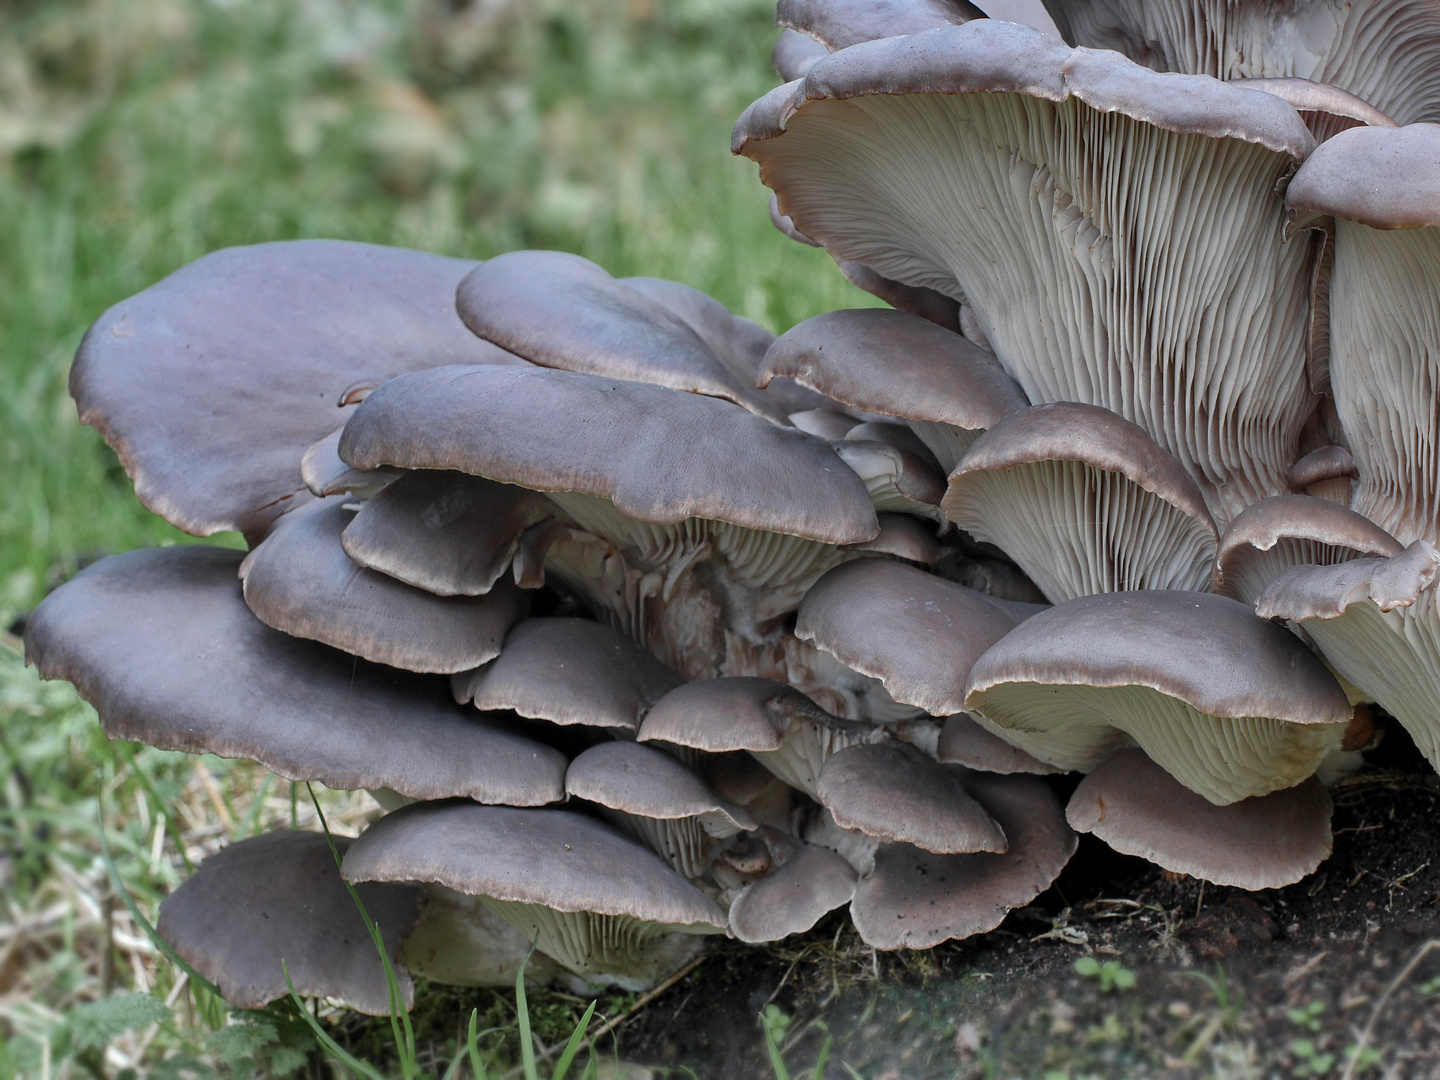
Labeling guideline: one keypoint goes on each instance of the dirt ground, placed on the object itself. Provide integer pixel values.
(1226, 983)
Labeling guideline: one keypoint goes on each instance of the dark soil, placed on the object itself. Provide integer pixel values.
(1276, 983)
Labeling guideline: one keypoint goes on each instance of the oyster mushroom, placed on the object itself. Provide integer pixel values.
(811, 882)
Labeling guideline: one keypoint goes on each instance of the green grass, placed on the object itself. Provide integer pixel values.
(139, 135)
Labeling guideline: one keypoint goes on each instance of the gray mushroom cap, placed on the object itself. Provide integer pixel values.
(1327, 110)
(794, 54)
(569, 671)
(651, 451)
(893, 791)
(162, 644)
(1327, 472)
(279, 897)
(445, 532)
(842, 23)
(211, 384)
(904, 537)
(325, 474)
(964, 742)
(1291, 530)
(641, 780)
(915, 632)
(812, 882)
(730, 713)
(561, 311)
(1387, 178)
(915, 899)
(300, 581)
(556, 858)
(1138, 808)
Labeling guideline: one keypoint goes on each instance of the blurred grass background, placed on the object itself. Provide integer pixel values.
(136, 135)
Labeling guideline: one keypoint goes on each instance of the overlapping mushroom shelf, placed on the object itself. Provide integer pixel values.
(643, 625)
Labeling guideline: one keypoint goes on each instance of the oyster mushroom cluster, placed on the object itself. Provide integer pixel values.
(644, 625)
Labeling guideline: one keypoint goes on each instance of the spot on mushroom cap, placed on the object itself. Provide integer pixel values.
(915, 632)
(641, 780)
(562, 311)
(569, 671)
(1387, 178)
(558, 858)
(1268, 842)
(300, 581)
(162, 644)
(654, 452)
(893, 791)
(210, 384)
(279, 897)
(897, 364)
(914, 899)
(812, 882)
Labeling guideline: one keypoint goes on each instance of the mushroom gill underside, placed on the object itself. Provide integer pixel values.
(647, 626)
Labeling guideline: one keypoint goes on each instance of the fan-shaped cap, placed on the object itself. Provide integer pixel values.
(279, 898)
(904, 537)
(561, 311)
(790, 900)
(893, 791)
(915, 632)
(1378, 623)
(897, 364)
(569, 671)
(1320, 468)
(842, 23)
(641, 780)
(1387, 178)
(211, 384)
(1009, 143)
(730, 713)
(1291, 530)
(1229, 704)
(915, 899)
(557, 858)
(1383, 50)
(921, 300)
(964, 742)
(794, 54)
(445, 532)
(325, 474)
(162, 644)
(653, 452)
(1138, 808)
(300, 581)
(1327, 110)
(1084, 501)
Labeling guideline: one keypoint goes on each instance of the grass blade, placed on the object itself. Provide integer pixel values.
(354, 1064)
(820, 1062)
(851, 1070)
(573, 1046)
(472, 1047)
(522, 1014)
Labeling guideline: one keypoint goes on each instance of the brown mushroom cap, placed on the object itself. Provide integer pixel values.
(794, 54)
(1326, 473)
(1378, 622)
(211, 384)
(915, 899)
(893, 791)
(900, 365)
(596, 901)
(162, 644)
(1230, 704)
(964, 742)
(444, 532)
(1028, 171)
(842, 23)
(812, 882)
(1327, 110)
(519, 429)
(1291, 530)
(279, 897)
(1138, 808)
(1383, 50)
(300, 581)
(904, 537)
(561, 311)
(569, 671)
(915, 632)
(1084, 501)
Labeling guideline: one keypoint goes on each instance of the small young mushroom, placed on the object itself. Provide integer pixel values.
(594, 900)
(810, 883)
(569, 671)
(1328, 473)
(162, 644)
(324, 473)
(1085, 502)
(1291, 530)
(964, 742)
(1268, 842)
(278, 898)
(1230, 705)
(651, 795)
(299, 580)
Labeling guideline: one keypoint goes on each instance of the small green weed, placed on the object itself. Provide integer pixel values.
(1308, 1060)
(1112, 974)
(1307, 1016)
